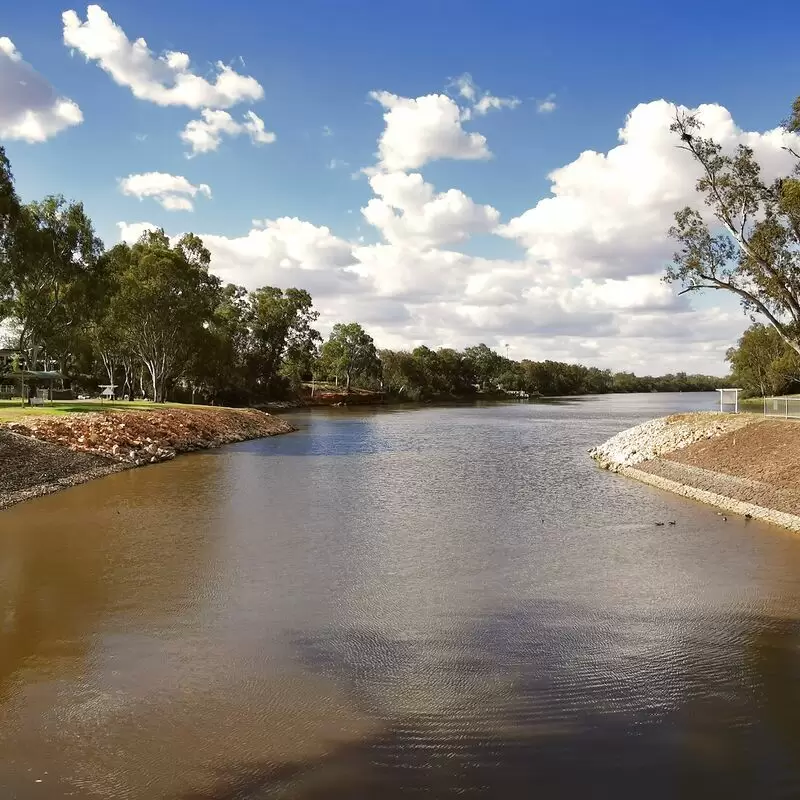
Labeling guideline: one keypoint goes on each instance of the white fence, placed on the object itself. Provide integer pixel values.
(788, 407)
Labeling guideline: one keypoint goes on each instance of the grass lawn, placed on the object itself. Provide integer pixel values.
(11, 409)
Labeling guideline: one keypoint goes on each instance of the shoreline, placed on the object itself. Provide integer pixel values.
(40, 455)
(742, 464)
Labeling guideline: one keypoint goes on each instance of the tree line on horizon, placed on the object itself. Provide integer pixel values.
(151, 319)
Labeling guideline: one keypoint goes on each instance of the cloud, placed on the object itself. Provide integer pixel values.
(205, 135)
(608, 213)
(287, 252)
(30, 109)
(548, 105)
(131, 232)
(480, 102)
(337, 163)
(280, 252)
(408, 212)
(327, 131)
(586, 285)
(424, 129)
(172, 192)
(166, 80)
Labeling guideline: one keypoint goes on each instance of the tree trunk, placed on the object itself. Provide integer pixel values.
(127, 386)
(151, 368)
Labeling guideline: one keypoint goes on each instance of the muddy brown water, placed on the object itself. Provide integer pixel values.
(434, 602)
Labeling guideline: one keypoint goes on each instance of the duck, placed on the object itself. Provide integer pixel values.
(660, 524)
(672, 522)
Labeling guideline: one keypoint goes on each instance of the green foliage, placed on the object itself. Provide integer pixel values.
(283, 341)
(485, 363)
(52, 275)
(9, 217)
(349, 355)
(424, 374)
(753, 251)
(763, 364)
(164, 302)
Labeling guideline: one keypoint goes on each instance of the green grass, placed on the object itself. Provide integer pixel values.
(11, 409)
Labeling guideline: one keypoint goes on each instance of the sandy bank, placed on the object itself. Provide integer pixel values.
(42, 454)
(743, 464)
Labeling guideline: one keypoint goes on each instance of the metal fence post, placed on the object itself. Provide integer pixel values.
(786, 400)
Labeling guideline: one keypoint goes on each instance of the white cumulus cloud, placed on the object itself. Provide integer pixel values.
(173, 192)
(131, 232)
(585, 285)
(407, 211)
(30, 109)
(277, 252)
(608, 213)
(166, 80)
(423, 129)
(205, 135)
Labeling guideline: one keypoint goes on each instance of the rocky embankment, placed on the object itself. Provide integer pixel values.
(42, 454)
(664, 435)
(743, 464)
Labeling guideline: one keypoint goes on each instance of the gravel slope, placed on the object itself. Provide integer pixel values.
(41, 454)
(742, 463)
(29, 468)
(665, 435)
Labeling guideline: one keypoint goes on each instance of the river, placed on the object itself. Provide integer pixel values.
(391, 603)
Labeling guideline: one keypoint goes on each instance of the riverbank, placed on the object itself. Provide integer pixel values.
(743, 464)
(43, 454)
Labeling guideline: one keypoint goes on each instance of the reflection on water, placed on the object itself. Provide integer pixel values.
(439, 601)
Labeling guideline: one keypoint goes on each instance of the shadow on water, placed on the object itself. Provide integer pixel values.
(509, 711)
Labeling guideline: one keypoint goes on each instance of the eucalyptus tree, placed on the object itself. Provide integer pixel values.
(52, 275)
(350, 355)
(283, 340)
(9, 217)
(164, 303)
(752, 248)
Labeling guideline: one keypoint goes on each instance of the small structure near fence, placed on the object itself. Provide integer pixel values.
(729, 400)
(25, 377)
(788, 407)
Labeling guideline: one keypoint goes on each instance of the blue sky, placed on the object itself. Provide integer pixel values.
(317, 63)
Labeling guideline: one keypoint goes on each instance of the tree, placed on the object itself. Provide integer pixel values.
(283, 339)
(217, 369)
(9, 218)
(485, 363)
(164, 303)
(350, 354)
(52, 273)
(763, 363)
(753, 251)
